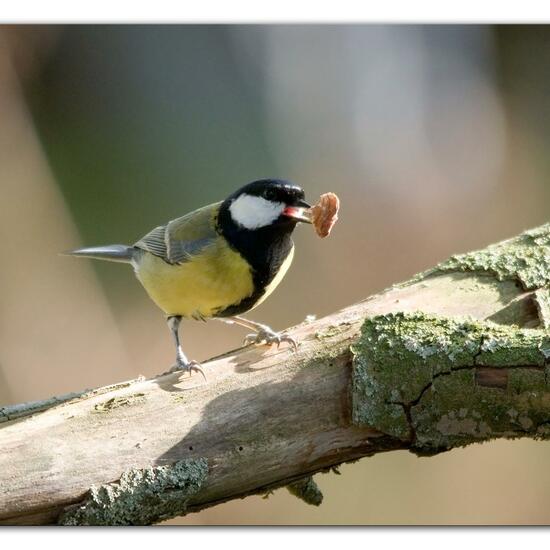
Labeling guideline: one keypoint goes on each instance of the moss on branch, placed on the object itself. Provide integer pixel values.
(438, 382)
(525, 258)
(307, 490)
(140, 496)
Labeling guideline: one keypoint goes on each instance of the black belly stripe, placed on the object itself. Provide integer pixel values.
(261, 281)
(265, 249)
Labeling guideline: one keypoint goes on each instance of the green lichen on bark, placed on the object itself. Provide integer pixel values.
(414, 379)
(525, 258)
(307, 490)
(456, 411)
(141, 496)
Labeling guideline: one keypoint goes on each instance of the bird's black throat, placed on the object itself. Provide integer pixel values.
(264, 248)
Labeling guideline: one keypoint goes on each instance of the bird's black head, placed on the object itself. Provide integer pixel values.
(268, 203)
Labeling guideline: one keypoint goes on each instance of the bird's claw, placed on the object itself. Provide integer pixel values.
(188, 366)
(269, 337)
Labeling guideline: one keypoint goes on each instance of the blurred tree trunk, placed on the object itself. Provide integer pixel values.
(454, 356)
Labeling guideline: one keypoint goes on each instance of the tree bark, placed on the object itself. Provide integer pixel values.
(459, 354)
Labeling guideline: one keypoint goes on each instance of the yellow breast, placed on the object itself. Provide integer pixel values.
(211, 281)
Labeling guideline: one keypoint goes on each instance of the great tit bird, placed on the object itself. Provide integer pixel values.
(219, 261)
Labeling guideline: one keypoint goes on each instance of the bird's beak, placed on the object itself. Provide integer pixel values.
(301, 212)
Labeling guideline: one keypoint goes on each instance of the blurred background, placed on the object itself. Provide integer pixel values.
(436, 139)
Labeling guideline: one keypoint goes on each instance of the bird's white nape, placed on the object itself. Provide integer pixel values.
(253, 212)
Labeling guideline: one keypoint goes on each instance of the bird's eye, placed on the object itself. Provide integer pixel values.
(270, 194)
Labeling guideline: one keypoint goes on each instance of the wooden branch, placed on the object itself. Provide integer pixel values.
(457, 355)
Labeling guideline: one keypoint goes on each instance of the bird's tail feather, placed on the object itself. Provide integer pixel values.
(111, 252)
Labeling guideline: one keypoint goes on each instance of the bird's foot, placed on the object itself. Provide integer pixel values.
(189, 366)
(267, 336)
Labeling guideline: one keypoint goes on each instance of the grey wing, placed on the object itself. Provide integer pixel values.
(180, 239)
(182, 251)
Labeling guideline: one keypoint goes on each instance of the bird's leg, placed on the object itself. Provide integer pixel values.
(182, 363)
(262, 333)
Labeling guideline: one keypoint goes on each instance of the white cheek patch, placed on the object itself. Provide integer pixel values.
(253, 212)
